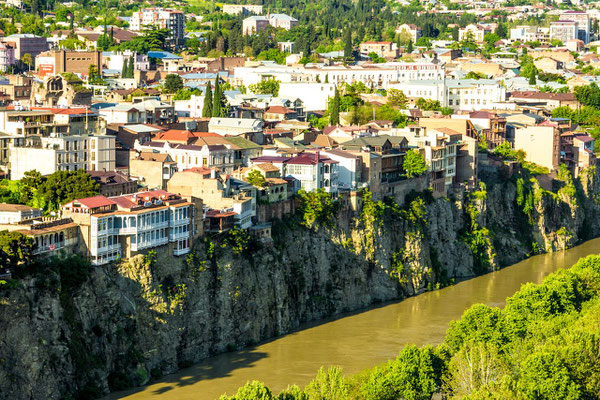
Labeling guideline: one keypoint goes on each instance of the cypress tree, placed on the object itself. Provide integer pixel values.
(124, 70)
(409, 48)
(217, 99)
(130, 71)
(326, 78)
(334, 118)
(532, 80)
(208, 102)
(348, 44)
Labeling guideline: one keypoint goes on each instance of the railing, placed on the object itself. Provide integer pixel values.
(128, 231)
(177, 236)
(50, 247)
(146, 245)
(180, 252)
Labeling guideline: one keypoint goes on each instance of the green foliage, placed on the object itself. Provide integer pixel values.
(173, 83)
(428, 105)
(150, 258)
(15, 249)
(256, 178)
(266, 86)
(186, 94)
(254, 390)
(475, 75)
(396, 98)
(328, 385)
(334, 112)
(505, 151)
(588, 95)
(317, 207)
(208, 102)
(414, 164)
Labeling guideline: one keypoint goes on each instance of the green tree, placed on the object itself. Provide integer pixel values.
(328, 385)
(588, 95)
(414, 164)
(256, 178)
(208, 101)
(173, 83)
(61, 187)
(104, 42)
(348, 48)
(396, 98)
(254, 390)
(124, 70)
(131, 67)
(27, 60)
(334, 113)
(15, 249)
(532, 80)
(410, 48)
(217, 99)
(266, 86)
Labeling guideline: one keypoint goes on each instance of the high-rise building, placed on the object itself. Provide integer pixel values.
(163, 18)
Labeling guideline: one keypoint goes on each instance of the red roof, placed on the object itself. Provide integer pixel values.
(279, 110)
(94, 202)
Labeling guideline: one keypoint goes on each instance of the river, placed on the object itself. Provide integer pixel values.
(354, 342)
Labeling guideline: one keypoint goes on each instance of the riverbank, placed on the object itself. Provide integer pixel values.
(123, 325)
(355, 342)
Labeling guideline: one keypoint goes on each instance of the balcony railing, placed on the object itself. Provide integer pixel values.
(180, 252)
(177, 236)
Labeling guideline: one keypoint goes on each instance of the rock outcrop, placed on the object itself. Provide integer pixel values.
(70, 332)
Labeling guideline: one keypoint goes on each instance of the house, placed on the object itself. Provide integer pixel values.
(219, 192)
(162, 18)
(113, 183)
(254, 25)
(279, 113)
(382, 49)
(540, 143)
(413, 30)
(249, 128)
(152, 169)
(283, 21)
(135, 223)
(548, 64)
(473, 32)
(15, 213)
(548, 101)
(313, 171)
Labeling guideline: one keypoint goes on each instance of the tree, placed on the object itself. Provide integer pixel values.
(15, 249)
(94, 77)
(334, 115)
(104, 42)
(217, 99)
(254, 390)
(256, 178)
(532, 80)
(266, 86)
(63, 186)
(27, 60)
(130, 67)
(410, 47)
(328, 385)
(348, 48)
(414, 164)
(588, 95)
(208, 101)
(396, 98)
(173, 83)
(124, 70)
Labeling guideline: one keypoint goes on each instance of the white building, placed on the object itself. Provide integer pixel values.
(564, 30)
(190, 108)
(283, 21)
(314, 95)
(235, 126)
(115, 61)
(474, 94)
(583, 23)
(65, 153)
(164, 18)
(348, 169)
(15, 213)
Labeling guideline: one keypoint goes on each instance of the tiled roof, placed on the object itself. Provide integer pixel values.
(95, 201)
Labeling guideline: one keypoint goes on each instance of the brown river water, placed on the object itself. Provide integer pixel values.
(354, 342)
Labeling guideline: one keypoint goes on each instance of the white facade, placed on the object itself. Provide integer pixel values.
(474, 94)
(314, 95)
(123, 114)
(235, 126)
(191, 156)
(15, 213)
(68, 153)
(190, 108)
(429, 90)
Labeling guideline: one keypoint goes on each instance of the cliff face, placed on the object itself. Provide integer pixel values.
(69, 331)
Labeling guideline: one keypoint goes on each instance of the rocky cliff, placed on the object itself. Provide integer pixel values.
(69, 331)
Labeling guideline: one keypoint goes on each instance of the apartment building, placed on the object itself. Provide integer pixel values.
(541, 145)
(474, 94)
(564, 30)
(14, 213)
(164, 18)
(62, 153)
(26, 43)
(7, 56)
(526, 33)
(313, 171)
(124, 226)
(583, 23)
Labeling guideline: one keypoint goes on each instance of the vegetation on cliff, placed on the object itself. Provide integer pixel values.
(543, 345)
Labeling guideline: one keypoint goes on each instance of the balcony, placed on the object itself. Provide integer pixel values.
(180, 252)
(128, 231)
(179, 222)
(177, 236)
(45, 249)
(150, 244)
